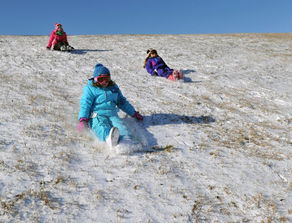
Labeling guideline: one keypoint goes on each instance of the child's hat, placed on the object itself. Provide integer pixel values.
(151, 50)
(58, 25)
(100, 70)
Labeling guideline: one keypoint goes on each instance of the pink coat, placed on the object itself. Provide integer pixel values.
(54, 38)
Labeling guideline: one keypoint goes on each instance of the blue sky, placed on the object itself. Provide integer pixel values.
(37, 17)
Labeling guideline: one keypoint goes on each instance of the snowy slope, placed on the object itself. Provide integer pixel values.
(222, 139)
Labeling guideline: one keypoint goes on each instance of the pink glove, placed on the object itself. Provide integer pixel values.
(138, 116)
(83, 123)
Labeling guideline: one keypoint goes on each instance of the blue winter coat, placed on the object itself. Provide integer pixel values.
(156, 64)
(103, 101)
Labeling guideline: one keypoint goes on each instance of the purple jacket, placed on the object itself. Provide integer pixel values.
(156, 64)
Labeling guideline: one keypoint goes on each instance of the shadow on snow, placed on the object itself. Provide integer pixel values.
(166, 119)
(84, 51)
(188, 79)
(188, 71)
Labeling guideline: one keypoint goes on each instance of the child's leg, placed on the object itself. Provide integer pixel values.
(101, 126)
(119, 123)
(57, 46)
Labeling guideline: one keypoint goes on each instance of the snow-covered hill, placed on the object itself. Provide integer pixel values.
(222, 139)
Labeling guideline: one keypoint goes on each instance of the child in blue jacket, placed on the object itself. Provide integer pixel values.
(99, 106)
(155, 66)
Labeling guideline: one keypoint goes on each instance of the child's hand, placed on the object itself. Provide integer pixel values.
(83, 124)
(138, 116)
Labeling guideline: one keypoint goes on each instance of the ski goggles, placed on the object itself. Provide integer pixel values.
(104, 78)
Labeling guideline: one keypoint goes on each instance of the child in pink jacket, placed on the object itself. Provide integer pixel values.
(58, 39)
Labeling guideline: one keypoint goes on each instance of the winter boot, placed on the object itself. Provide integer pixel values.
(171, 77)
(113, 137)
(180, 74)
(63, 48)
(69, 48)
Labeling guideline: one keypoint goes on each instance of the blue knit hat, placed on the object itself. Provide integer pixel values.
(99, 69)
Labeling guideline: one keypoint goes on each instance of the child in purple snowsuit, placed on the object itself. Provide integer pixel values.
(155, 66)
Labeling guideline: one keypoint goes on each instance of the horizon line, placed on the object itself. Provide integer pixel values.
(164, 34)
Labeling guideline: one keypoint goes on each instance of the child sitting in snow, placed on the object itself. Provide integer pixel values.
(155, 66)
(99, 105)
(58, 39)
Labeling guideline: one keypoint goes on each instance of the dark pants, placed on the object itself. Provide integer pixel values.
(58, 45)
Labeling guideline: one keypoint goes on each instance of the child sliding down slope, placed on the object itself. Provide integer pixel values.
(155, 66)
(99, 106)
